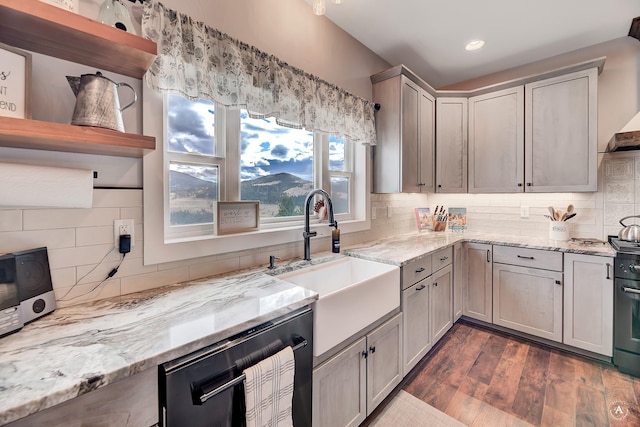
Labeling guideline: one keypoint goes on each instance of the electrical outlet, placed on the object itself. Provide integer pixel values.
(389, 211)
(524, 211)
(373, 212)
(120, 227)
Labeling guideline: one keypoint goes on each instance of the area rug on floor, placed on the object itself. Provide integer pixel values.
(406, 410)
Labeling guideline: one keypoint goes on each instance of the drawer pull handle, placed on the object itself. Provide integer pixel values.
(630, 290)
(558, 282)
(365, 354)
(421, 287)
(419, 270)
(608, 271)
(444, 258)
(525, 257)
(372, 349)
(488, 254)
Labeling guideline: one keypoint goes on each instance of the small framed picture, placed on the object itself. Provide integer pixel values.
(15, 82)
(237, 217)
(423, 219)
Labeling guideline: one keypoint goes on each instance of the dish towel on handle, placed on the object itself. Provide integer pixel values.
(268, 390)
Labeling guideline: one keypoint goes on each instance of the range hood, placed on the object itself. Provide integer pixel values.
(628, 138)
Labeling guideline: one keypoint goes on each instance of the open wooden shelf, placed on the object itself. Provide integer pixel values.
(50, 30)
(38, 135)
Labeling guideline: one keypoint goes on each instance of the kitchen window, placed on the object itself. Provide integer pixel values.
(223, 147)
(213, 153)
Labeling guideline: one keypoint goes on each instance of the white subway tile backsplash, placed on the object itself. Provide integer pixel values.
(88, 236)
(10, 220)
(157, 279)
(117, 198)
(20, 240)
(45, 219)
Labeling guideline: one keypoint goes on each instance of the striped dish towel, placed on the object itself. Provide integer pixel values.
(268, 390)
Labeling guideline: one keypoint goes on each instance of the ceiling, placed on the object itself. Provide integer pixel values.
(429, 36)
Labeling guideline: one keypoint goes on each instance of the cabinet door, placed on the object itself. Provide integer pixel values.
(339, 388)
(410, 122)
(528, 300)
(496, 142)
(561, 133)
(451, 145)
(588, 303)
(457, 281)
(476, 276)
(416, 329)
(426, 142)
(403, 159)
(384, 362)
(441, 303)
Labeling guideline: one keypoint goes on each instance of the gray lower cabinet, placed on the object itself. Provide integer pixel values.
(477, 276)
(417, 324)
(441, 307)
(588, 303)
(525, 298)
(348, 386)
(129, 402)
(457, 281)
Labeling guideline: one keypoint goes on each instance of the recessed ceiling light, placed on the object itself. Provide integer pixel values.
(474, 45)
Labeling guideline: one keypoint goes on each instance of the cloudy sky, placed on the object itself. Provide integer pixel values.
(266, 148)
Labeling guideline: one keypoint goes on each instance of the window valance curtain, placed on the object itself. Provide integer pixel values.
(198, 61)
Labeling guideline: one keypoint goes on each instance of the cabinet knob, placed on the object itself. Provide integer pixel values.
(421, 184)
(435, 283)
(519, 184)
(439, 185)
(444, 258)
(529, 184)
(365, 354)
(558, 282)
(372, 349)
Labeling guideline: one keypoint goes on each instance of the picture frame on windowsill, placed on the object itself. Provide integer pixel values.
(237, 217)
(15, 82)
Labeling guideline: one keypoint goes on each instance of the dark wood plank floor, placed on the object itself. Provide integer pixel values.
(486, 378)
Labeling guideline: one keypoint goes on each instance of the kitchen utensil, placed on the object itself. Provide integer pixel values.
(556, 215)
(630, 233)
(97, 102)
(569, 209)
(568, 217)
(116, 14)
(552, 212)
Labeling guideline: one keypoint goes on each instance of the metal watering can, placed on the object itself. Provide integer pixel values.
(97, 102)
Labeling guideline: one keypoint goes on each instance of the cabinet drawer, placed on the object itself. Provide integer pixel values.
(534, 258)
(416, 270)
(441, 258)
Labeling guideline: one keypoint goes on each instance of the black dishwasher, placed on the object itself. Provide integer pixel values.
(205, 388)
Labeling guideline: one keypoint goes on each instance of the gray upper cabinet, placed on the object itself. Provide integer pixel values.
(451, 145)
(561, 133)
(496, 142)
(403, 159)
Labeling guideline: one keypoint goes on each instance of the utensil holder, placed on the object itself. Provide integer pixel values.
(439, 225)
(558, 230)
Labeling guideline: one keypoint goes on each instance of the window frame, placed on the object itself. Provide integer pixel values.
(159, 249)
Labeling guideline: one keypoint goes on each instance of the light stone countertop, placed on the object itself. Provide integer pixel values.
(80, 348)
(77, 349)
(401, 249)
